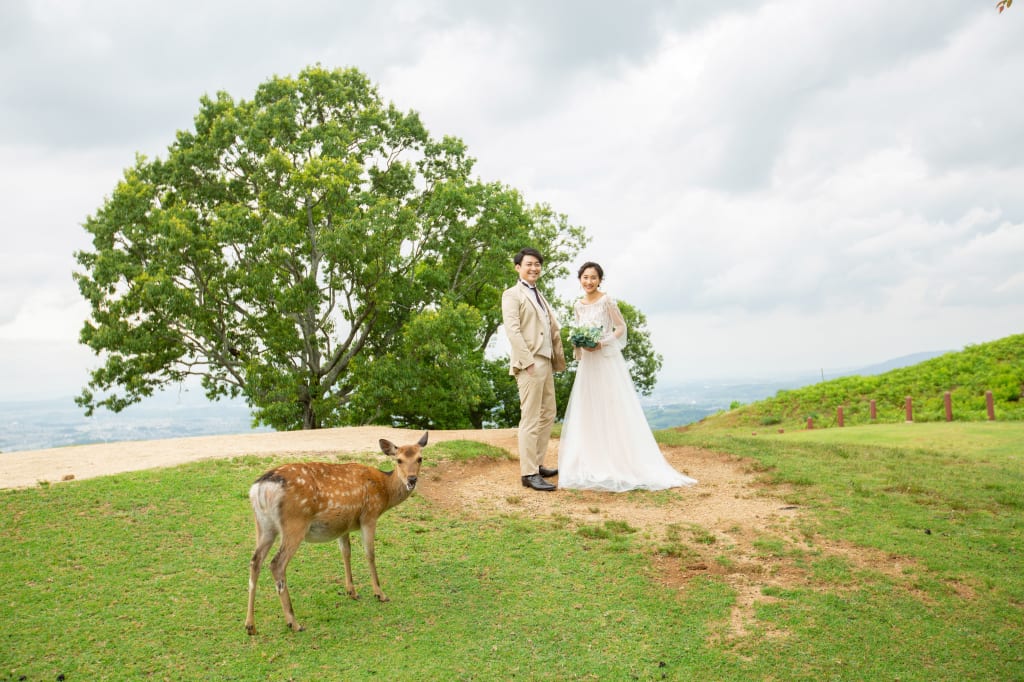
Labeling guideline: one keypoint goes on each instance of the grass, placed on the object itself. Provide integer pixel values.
(143, 576)
(461, 450)
(945, 501)
(1001, 440)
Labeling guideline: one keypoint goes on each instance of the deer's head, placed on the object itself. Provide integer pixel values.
(407, 460)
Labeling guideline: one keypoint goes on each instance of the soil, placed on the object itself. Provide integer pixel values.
(724, 525)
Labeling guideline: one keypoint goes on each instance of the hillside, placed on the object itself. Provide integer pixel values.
(996, 366)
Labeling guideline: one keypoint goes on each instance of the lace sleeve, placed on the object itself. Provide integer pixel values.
(616, 336)
(577, 313)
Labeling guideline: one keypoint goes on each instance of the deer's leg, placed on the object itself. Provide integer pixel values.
(369, 529)
(291, 538)
(346, 553)
(264, 540)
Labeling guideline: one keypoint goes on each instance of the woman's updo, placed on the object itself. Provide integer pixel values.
(591, 264)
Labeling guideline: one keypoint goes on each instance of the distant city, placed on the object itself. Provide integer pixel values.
(36, 425)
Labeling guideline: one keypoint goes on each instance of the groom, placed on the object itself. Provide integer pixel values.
(536, 354)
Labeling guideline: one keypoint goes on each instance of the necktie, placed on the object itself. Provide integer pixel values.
(537, 294)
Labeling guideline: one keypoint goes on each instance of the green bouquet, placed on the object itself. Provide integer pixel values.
(585, 337)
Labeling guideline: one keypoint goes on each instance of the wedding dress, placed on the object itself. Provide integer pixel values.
(606, 443)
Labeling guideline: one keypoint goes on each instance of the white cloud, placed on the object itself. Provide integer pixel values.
(778, 185)
(46, 315)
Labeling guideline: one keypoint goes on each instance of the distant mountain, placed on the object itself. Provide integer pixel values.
(895, 363)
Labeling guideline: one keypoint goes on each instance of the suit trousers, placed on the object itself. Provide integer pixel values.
(536, 414)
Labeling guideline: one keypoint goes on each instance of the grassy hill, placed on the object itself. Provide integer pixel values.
(997, 366)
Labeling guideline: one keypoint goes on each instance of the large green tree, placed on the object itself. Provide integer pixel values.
(314, 250)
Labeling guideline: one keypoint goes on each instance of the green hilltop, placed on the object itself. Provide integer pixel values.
(996, 366)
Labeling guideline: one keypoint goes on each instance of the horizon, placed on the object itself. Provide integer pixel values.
(194, 396)
(174, 413)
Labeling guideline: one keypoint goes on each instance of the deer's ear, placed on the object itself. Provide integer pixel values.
(423, 441)
(388, 448)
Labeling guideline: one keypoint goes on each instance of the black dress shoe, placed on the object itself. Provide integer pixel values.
(548, 473)
(537, 483)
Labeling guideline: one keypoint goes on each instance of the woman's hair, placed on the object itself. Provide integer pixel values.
(591, 264)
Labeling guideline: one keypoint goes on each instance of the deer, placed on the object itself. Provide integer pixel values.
(320, 502)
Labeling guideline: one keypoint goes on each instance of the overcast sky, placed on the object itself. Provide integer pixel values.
(782, 187)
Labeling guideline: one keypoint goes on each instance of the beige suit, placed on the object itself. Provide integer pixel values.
(533, 333)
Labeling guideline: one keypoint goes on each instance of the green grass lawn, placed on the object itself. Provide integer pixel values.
(1004, 440)
(144, 576)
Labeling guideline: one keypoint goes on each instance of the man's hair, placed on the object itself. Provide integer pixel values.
(518, 258)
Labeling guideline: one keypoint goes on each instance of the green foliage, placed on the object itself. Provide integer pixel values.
(644, 362)
(504, 411)
(997, 366)
(287, 249)
(420, 383)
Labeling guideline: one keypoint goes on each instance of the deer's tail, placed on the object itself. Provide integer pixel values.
(266, 495)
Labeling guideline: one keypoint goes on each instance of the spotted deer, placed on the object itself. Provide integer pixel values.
(318, 502)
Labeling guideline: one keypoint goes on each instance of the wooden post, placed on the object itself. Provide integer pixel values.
(874, 411)
(909, 404)
(948, 400)
(990, 406)
(810, 422)
(839, 415)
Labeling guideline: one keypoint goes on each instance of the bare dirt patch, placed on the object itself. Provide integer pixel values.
(727, 497)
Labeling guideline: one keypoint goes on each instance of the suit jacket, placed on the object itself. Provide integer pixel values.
(525, 328)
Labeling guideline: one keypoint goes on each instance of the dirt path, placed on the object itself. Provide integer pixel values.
(726, 513)
(27, 468)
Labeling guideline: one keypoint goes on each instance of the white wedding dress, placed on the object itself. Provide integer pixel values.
(606, 443)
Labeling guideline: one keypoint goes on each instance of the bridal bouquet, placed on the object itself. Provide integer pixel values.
(585, 337)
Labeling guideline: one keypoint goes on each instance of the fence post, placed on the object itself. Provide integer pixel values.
(909, 404)
(839, 415)
(990, 406)
(810, 422)
(948, 400)
(874, 411)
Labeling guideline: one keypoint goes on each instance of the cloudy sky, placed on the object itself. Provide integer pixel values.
(782, 187)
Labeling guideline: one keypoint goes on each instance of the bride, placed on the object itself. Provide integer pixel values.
(606, 443)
